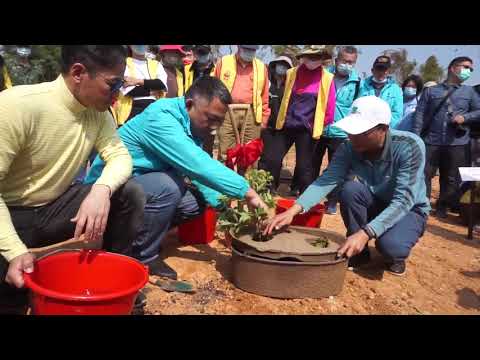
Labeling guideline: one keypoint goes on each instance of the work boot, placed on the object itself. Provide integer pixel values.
(359, 259)
(455, 209)
(161, 268)
(397, 268)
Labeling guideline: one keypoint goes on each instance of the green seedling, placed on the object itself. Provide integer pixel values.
(240, 217)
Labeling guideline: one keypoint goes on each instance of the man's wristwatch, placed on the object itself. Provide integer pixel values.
(370, 233)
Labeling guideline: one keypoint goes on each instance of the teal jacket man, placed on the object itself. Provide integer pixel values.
(344, 99)
(391, 93)
(160, 140)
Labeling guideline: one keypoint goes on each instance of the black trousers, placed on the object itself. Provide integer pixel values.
(268, 157)
(50, 224)
(281, 142)
(324, 144)
(447, 159)
(329, 146)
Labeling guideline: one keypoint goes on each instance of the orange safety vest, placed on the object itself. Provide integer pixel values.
(228, 74)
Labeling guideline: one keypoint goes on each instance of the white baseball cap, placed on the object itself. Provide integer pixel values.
(367, 112)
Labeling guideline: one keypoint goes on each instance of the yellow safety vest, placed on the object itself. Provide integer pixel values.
(189, 76)
(123, 106)
(6, 78)
(228, 74)
(322, 100)
(179, 78)
(465, 199)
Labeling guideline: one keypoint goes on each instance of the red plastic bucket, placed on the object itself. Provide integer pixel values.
(313, 218)
(199, 230)
(85, 282)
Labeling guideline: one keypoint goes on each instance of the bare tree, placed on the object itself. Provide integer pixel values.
(401, 66)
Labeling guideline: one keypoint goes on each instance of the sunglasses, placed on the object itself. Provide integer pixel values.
(115, 86)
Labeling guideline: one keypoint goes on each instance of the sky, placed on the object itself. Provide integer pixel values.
(444, 54)
(420, 53)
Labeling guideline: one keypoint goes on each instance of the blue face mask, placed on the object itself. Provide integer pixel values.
(281, 69)
(139, 49)
(409, 92)
(464, 74)
(247, 55)
(344, 69)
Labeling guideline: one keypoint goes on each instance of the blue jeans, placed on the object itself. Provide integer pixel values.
(170, 202)
(358, 207)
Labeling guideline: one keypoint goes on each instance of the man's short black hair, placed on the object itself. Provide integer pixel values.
(94, 57)
(417, 80)
(349, 49)
(209, 87)
(458, 60)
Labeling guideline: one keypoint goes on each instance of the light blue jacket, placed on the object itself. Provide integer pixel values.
(159, 139)
(391, 93)
(343, 104)
(409, 107)
(396, 178)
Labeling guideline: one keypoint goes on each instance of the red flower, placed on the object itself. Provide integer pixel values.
(244, 156)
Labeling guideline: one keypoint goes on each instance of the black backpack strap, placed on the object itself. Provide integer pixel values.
(357, 89)
(437, 109)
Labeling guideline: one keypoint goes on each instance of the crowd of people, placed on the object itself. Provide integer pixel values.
(95, 153)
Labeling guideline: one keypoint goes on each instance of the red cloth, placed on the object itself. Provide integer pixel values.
(244, 156)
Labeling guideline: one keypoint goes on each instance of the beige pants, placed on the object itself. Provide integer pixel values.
(239, 127)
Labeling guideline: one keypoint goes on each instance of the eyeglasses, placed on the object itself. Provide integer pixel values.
(114, 86)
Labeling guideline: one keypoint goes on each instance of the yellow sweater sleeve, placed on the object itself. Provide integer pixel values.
(12, 137)
(118, 162)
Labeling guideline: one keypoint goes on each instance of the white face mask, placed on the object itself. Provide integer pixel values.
(281, 69)
(246, 55)
(375, 80)
(24, 52)
(311, 64)
(344, 69)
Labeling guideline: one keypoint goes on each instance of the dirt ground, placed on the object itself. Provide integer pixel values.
(443, 277)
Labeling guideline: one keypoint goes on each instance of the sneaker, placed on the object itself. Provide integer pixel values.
(359, 259)
(455, 209)
(397, 268)
(160, 268)
(441, 213)
(331, 208)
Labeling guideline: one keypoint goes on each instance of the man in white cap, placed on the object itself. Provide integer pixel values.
(388, 202)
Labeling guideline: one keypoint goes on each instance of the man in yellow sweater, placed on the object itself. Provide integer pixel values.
(47, 132)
